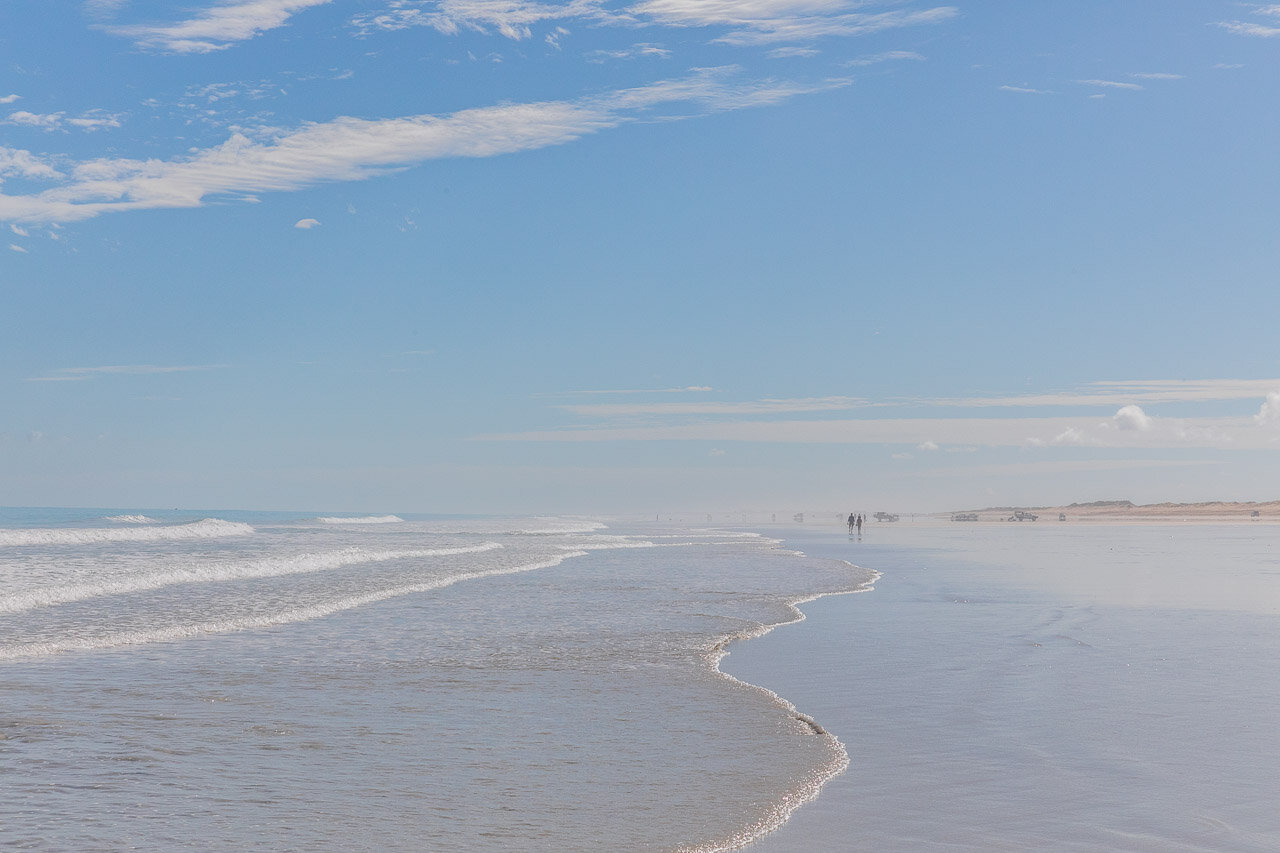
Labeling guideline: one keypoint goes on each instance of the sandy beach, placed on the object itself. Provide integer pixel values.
(1039, 688)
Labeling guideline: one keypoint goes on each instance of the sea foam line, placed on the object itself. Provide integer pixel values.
(220, 572)
(836, 763)
(282, 617)
(209, 528)
(366, 519)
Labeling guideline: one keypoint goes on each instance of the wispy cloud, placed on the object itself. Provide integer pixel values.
(1110, 84)
(78, 374)
(792, 52)
(1113, 392)
(44, 121)
(750, 22)
(636, 51)
(753, 407)
(685, 390)
(217, 27)
(14, 247)
(887, 56)
(1023, 90)
(1245, 28)
(306, 223)
(9, 99)
(92, 120)
(349, 149)
(510, 18)
(1155, 75)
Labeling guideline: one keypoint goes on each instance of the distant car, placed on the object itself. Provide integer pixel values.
(965, 516)
(885, 516)
(1019, 515)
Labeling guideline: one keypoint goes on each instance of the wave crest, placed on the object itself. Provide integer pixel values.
(264, 568)
(209, 528)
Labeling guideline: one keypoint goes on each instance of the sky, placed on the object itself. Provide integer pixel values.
(491, 256)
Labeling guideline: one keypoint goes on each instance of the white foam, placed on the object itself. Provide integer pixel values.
(131, 519)
(810, 786)
(209, 528)
(558, 527)
(221, 572)
(364, 519)
(281, 617)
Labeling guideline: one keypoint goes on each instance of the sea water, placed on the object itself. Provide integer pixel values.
(255, 681)
(1054, 686)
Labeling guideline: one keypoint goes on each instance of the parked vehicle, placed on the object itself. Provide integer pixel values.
(1020, 515)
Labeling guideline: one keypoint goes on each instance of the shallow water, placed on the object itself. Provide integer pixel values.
(387, 683)
(1082, 688)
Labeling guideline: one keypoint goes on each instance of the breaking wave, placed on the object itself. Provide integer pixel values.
(281, 617)
(131, 519)
(209, 528)
(264, 568)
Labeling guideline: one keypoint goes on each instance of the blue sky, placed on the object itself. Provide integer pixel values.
(496, 256)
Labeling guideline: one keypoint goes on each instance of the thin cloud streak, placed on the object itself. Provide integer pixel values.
(756, 407)
(79, 374)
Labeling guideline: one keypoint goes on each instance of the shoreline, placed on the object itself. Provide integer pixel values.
(823, 774)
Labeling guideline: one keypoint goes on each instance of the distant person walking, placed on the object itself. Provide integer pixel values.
(859, 523)
(852, 522)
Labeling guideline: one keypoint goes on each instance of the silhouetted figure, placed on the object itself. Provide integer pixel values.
(858, 521)
(852, 522)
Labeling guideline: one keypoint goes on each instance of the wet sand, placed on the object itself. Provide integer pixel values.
(1040, 689)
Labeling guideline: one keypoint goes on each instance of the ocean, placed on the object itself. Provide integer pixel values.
(313, 681)
(276, 681)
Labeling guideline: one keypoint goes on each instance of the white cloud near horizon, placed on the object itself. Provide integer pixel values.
(1129, 426)
(351, 149)
(217, 27)
(306, 223)
(1111, 392)
(9, 99)
(1239, 433)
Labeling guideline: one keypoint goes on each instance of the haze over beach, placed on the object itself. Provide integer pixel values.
(432, 425)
